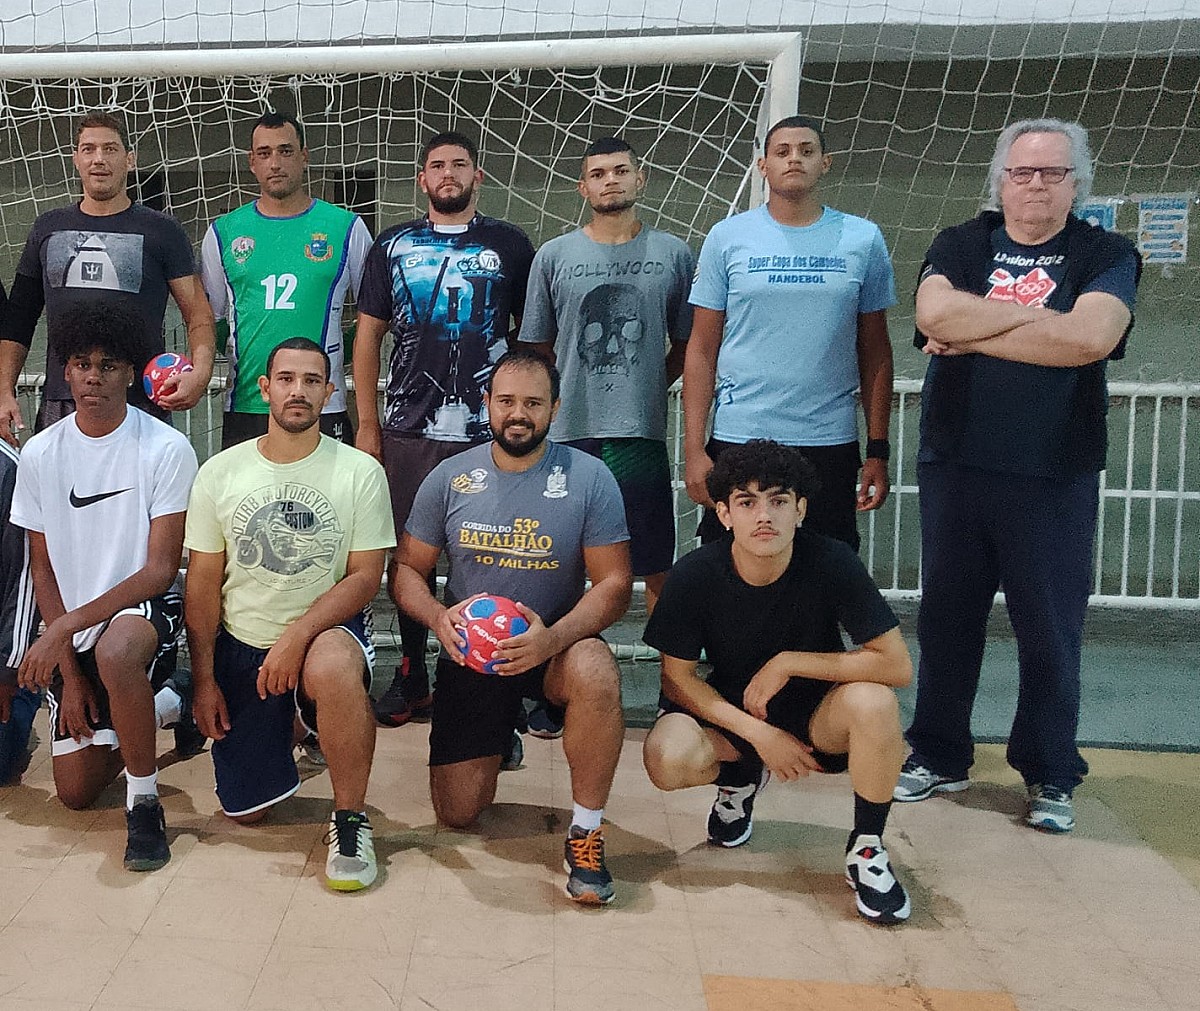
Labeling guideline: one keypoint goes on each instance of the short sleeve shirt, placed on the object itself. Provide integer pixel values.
(705, 605)
(519, 535)
(448, 294)
(286, 529)
(94, 500)
(792, 297)
(609, 309)
(83, 258)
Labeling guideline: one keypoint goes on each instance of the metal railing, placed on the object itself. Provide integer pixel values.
(1147, 535)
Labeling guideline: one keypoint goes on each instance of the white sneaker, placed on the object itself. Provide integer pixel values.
(351, 862)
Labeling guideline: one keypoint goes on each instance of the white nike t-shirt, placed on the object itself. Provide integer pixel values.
(93, 500)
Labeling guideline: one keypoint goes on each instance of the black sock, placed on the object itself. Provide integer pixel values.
(743, 772)
(869, 818)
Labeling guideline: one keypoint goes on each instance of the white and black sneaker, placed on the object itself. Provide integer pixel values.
(350, 865)
(880, 896)
(731, 821)
(1050, 809)
(917, 782)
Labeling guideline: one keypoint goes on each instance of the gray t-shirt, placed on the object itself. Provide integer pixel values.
(609, 310)
(519, 535)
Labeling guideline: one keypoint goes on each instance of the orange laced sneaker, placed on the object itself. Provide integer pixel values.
(589, 881)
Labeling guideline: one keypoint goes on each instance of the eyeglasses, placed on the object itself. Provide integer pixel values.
(1051, 174)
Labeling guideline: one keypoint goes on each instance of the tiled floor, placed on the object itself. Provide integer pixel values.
(1004, 917)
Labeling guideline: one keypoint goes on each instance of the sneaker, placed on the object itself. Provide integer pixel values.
(730, 822)
(394, 708)
(351, 861)
(546, 721)
(146, 848)
(589, 881)
(880, 897)
(310, 750)
(511, 760)
(1050, 808)
(917, 782)
(189, 740)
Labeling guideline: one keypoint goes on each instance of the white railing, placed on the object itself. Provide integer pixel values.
(1147, 536)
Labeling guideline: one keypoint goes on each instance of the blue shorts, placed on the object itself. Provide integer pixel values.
(253, 762)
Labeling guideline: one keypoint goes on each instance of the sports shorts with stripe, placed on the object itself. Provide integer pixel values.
(165, 614)
(254, 763)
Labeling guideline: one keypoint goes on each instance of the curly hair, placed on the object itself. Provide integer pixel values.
(111, 327)
(765, 463)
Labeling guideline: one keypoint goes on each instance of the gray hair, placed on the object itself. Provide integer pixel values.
(1081, 156)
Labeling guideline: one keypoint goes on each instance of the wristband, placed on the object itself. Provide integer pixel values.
(878, 449)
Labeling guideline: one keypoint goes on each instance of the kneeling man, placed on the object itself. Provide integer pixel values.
(102, 494)
(784, 698)
(287, 536)
(528, 519)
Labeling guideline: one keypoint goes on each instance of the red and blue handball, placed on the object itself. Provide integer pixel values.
(489, 621)
(159, 369)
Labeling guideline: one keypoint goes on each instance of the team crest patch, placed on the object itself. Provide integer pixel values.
(556, 483)
(242, 247)
(470, 484)
(318, 249)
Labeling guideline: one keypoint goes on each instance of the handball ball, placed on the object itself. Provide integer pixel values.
(159, 369)
(489, 621)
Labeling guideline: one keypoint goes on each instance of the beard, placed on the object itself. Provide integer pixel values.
(535, 439)
(452, 203)
(614, 205)
(293, 424)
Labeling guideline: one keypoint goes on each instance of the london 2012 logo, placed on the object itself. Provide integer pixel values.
(287, 536)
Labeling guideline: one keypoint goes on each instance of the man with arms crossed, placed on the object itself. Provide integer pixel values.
(528, 519)
(1019, 309)
(102, 493)
(447, 286)
(279, 267)
(105, 249)
(790, 319)
(766, 607)
(286, 537)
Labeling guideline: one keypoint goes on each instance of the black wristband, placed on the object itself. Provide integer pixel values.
(878, 449)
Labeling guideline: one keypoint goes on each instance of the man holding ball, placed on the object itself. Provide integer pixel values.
(530, 519)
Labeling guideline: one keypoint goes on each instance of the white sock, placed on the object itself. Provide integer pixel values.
(585, 818)
(168, 707)
(139, 786)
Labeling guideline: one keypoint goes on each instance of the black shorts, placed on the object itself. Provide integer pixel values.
(241, 426)
(253, 762)
(165, 613)
(791, 710)
(407, 461)
(643, 473)
(832, 509)
(474, 715)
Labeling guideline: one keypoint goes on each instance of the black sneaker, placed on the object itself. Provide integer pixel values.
(546, 721)
(511, 760)
(189, 740)
(880, 896)
(588, 879)
(397, 705)
(146, 849)
(730, 821)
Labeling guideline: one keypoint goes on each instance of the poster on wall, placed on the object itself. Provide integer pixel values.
(1163, 227)
(1101, 211)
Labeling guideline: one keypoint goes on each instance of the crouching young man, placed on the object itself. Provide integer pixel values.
(287, 536)
(784, 698)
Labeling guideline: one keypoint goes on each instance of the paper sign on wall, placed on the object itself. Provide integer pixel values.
(1100, 211)
(1163, 227)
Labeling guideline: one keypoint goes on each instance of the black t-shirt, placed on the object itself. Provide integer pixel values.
(82, 258)
(1015, 417)
(705, 605)
(449, 294)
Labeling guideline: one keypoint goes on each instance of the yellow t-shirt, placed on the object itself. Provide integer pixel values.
(286, 529)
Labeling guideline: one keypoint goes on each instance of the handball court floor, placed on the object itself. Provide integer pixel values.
(1105, 919)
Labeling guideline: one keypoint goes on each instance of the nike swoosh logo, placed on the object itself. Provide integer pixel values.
(79, 501)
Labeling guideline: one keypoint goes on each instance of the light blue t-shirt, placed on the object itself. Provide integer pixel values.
(788, 364)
